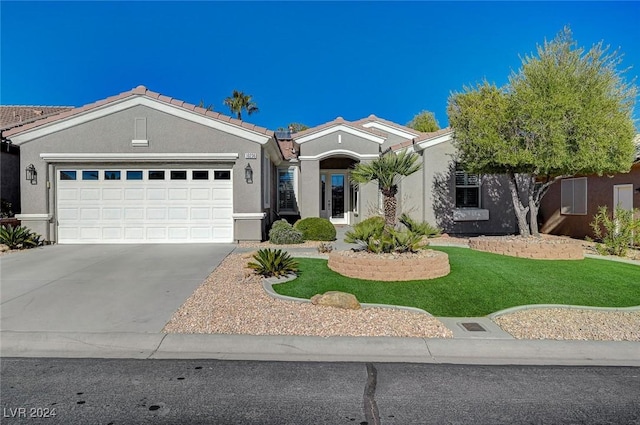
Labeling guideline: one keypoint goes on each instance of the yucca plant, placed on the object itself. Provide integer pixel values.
(18, 237)
(273, 262)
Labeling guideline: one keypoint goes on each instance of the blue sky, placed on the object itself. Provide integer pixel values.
(303, 62)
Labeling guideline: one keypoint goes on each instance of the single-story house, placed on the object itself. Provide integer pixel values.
(141, 167)
(570, 205)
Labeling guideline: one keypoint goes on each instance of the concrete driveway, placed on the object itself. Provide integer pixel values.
(101, 288)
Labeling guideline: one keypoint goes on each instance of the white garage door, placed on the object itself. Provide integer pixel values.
(151, 205)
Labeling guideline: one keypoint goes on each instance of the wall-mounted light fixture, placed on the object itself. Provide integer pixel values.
(31, 174)
(248, 173)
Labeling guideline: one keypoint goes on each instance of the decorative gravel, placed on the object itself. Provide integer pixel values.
(232, 301)
(572, 324)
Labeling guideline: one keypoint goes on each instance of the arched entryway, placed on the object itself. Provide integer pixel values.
(339, 200)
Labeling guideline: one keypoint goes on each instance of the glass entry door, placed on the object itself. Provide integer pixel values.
(333, 197)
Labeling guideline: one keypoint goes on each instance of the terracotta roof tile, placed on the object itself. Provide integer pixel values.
(18, 115)
(423, 138)
(137, 91)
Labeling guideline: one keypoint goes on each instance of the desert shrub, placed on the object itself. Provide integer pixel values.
(419, 228)
(316, 229)
(325, 248)
(371, 235)
(615, 236)
(366, 229)
(19, 237)
(273, 262)
(282, 233)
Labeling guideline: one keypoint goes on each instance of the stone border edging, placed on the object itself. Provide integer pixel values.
(267, 285)
(566, 306)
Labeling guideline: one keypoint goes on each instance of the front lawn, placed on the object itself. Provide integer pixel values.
(481, 283)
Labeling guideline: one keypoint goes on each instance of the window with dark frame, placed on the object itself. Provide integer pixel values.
(90, 175)
(111, 175)
(222, 175)
(178, 175)
(156, 175)
(68, 175)
(200, 175)
(134, 175)
(467, 189)
(286, 192)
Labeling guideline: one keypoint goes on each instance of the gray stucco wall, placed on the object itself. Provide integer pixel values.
(439, 187)
(331, 142)
(309, 188)
(166, 134)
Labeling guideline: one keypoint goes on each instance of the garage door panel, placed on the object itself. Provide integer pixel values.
(111, 233)
(112, 213)
(133, 213)
(156, 213)
(111, 194)
(136, 194)
(156, 194)
(142, 210)
(200, 213)
(89, 194)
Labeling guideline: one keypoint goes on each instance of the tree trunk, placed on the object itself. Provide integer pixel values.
(390, 205)
(520, 210)
(533, 216)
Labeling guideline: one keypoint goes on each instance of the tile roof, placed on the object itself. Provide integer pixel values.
(140, 91)
(339, 121)
(18, 115)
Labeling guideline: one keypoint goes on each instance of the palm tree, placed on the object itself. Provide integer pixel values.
(238, 102)
(387, 170)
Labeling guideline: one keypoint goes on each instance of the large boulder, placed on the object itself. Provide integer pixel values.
(4, 248)
(336, 299)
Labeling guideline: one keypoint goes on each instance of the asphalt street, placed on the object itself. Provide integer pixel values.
(111, 391)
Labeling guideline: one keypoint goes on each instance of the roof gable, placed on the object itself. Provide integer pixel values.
(339, 124)
(138, 96)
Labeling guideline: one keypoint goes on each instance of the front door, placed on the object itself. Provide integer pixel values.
(334, 197)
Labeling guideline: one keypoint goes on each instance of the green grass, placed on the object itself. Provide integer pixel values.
(481, 283)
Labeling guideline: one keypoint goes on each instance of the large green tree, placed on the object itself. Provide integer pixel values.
(424, 121)
(566, 111)
(387, 171)
(238, 102)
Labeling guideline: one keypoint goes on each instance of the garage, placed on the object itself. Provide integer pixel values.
(111, 204)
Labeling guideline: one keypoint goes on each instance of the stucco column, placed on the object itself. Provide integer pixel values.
(309, 188)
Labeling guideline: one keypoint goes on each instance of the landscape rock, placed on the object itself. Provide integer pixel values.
(4, 248)
(336, 299)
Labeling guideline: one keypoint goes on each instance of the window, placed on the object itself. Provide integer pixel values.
(286, 192)
(90, 175)
(200, 175)
(222, 175)
(156, 175)
(573, 197)
(67, 175)
(134, 175)
(266, 179)
(112, 175)
(178, 175)
(467, 189)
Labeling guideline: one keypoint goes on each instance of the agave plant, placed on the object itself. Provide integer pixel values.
(273, 262)
(18, 237)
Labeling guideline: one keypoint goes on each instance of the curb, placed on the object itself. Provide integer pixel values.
(565, 306)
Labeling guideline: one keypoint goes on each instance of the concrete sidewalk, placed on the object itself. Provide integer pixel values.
(307, 348)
